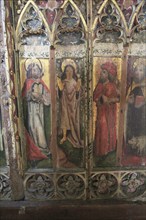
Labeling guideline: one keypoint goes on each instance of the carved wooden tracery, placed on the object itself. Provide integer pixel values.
(69, 162)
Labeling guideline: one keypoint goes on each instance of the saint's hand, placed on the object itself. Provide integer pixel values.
(131, 99)
(60, 84)
(78, 85)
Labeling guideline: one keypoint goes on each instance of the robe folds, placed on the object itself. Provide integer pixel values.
(70, 118)
(36, 107)
(105, 132)
(135, 126)
(136, 111)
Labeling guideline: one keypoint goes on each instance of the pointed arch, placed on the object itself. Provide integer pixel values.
(117, 7)
(79, 12)
(135, 14)
(31, 2)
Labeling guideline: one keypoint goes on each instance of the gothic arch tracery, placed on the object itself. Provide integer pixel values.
(70, 43)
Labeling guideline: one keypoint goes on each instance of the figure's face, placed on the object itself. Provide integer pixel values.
(69, 72)
(139, 73)
(104, 75)
(36, 72)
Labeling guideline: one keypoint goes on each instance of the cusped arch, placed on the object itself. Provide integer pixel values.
(118, 9)
(28, 4)
(135, 14)
(77, 10)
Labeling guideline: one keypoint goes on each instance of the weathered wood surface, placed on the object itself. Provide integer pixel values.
(72, 210)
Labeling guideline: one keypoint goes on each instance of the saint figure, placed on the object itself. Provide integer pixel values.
(106, 96)
(36, 99)
(136, 110)
(69, 88)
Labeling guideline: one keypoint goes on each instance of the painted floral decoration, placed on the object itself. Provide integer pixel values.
(4, 187)
(39, 186)
(71, 186)
(103, 184)
(133, 182)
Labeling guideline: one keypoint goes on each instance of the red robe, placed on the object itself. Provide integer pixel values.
(105, 133)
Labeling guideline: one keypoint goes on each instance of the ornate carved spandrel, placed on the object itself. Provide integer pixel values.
(82, 5)
(138, 32)
(33, 39)
(31, 29)
(70, 30)
(109, 26)
(128, 8)
(19, 5)
(96, 4)
(50, 10)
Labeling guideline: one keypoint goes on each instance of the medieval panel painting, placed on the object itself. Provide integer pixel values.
(76, 99)
(33, 45)
(37, 83)
(36, 98)
(135, 117)
(70, 72)
(70, 81)
(68, 38)
(106, 98)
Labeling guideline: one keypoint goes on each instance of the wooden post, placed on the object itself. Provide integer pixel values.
(89, 133)
(53, 106)
(16, 173)
(122, 105)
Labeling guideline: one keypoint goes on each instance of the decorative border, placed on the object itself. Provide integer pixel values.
(35, 51)
(39, 186)
(5, 188)
(71, 186)
(127, 185)
(55, 186)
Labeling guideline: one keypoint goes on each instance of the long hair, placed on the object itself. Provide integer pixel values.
(64, 73)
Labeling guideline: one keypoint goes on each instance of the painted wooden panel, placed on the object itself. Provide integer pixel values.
(76, 82)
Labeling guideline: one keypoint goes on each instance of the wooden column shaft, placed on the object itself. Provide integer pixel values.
(53, 106)
(122, 105)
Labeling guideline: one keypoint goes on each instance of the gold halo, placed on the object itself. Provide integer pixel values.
(68, 62)
(138, 62)
(29, 61)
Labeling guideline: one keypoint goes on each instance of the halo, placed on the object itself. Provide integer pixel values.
(68, 62)
(29, 61)
(139, 61)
